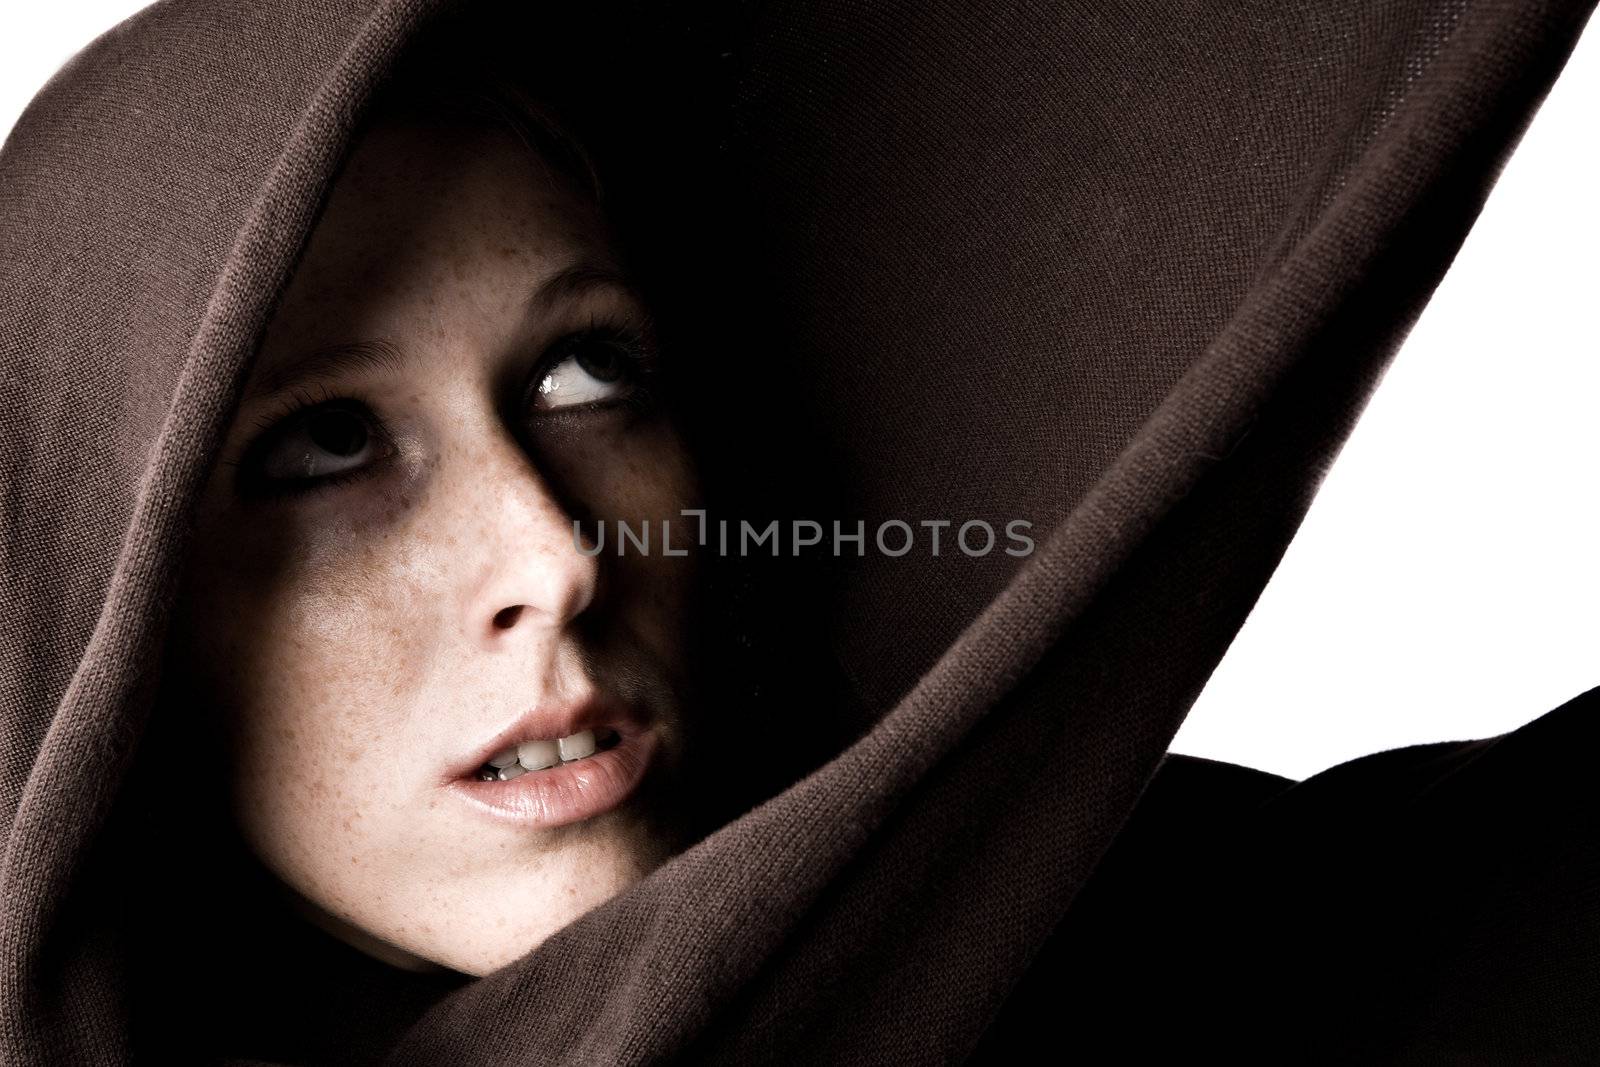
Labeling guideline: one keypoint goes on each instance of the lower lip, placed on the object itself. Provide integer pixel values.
(570, 792)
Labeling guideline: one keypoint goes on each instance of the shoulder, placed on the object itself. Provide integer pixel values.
(1436, 903)
(1446, 895)
(1520, 790)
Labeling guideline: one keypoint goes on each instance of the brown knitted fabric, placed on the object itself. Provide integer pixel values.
(1126, 272)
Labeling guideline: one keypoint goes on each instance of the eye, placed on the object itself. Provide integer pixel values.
(592, 369)
(319, 445)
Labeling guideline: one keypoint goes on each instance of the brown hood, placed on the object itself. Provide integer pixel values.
(1128, 274)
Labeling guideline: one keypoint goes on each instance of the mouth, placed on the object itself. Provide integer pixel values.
(558, 765)
(537, 756)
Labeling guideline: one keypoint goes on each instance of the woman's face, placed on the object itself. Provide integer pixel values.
(385, 589)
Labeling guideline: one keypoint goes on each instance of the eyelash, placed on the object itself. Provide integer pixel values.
(633, 344)
(643, 366)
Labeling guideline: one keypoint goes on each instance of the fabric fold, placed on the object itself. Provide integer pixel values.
(1127, 275)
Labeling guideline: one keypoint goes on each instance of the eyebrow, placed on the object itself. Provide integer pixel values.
(337, 360)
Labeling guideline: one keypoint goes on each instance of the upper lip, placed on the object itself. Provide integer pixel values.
(593, 711)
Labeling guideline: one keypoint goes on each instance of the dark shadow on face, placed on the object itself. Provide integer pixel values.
(333, 649)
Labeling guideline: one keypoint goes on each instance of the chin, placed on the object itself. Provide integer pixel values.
(502, 917)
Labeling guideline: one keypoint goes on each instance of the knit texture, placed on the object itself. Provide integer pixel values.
(1126, 272)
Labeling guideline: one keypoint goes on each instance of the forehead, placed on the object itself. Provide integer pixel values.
(426, 212)
(430, 181)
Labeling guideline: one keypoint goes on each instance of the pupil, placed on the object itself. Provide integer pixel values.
(607, 368)
(337, 432)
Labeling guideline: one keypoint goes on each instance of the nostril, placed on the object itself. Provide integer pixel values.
(506, 618)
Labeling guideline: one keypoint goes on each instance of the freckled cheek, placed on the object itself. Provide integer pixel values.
(661, 605)
(333, 669)
(628, 473)
(657, 483)
(315, 660)
(641, 474)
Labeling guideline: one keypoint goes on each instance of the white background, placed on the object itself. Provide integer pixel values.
(1445, 584)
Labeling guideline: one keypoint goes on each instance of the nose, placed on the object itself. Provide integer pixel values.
(530, 574)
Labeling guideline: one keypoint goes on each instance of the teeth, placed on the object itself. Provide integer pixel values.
(538, 756)
(577, 746)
